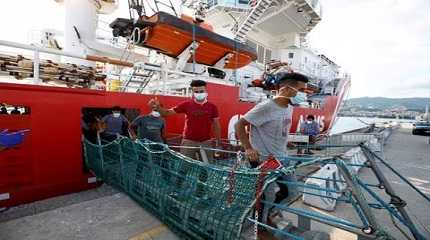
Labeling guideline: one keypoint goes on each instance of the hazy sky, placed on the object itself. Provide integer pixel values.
(384, 44)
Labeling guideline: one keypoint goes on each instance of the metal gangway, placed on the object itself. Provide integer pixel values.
(223, 199)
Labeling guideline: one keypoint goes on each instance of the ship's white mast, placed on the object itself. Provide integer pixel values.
(80, 25)
(81, 19)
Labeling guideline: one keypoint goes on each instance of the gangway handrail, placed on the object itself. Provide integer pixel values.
(396, 201)
(353, 193)
(394, 171)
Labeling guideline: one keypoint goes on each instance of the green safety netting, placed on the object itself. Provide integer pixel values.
(197, 200)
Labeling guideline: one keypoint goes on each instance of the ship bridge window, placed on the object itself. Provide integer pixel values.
(243, 1)
(8, 109)
(290, 55)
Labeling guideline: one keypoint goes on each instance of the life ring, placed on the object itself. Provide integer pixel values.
(232, 131)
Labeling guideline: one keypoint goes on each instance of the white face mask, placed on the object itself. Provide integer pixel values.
(116, 114)
(155, 114)
(309, 121)
(298, 98)
(200, 97)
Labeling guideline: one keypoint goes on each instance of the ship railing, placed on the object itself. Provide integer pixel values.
(231, 5)
(332, 145)
(38, 50)
(375, 140)
(161, 86)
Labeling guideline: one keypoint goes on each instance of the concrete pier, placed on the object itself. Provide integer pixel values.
(105, 214)
(408, 154)
(99, 214)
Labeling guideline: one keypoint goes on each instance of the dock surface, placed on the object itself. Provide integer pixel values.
(105, 214)
(98, 214)
(409, 155)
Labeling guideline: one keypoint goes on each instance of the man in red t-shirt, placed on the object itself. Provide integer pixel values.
(201, 117)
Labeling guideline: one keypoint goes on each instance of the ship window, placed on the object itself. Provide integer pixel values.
(290, 55)
(260, 54)
(243, 1)
(268, 56)
(216, 73)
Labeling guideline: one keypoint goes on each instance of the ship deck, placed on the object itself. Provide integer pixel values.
(105, 214)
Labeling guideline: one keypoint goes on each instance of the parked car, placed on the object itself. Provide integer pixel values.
(421, 128)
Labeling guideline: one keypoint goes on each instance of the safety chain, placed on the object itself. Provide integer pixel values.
(232, 178)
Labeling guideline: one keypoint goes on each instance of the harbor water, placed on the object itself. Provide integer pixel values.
(347, 124)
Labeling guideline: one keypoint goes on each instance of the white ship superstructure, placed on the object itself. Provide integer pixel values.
(277, 30)
(274, 28)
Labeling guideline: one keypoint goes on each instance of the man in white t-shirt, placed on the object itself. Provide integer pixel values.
(270, 122)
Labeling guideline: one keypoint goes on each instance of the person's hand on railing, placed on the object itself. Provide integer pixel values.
(321, 136)
(252, 155)
(217, 154)
(217, 145)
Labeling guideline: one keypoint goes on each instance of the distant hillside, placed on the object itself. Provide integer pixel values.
(385, 103)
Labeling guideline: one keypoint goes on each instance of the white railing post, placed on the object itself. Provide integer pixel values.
(164, 78)
(36, 64)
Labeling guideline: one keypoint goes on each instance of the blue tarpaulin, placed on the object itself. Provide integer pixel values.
(10, 139)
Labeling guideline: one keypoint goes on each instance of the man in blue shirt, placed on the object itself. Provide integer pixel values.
(310, 128)
(116, 124)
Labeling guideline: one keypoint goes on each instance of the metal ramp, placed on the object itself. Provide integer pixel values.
(217, 200)
(251, 19)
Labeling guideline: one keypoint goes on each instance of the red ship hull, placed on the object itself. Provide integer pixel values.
(50, 163)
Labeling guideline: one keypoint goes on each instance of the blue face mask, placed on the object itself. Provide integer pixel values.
(299, 98)
(201, 96)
